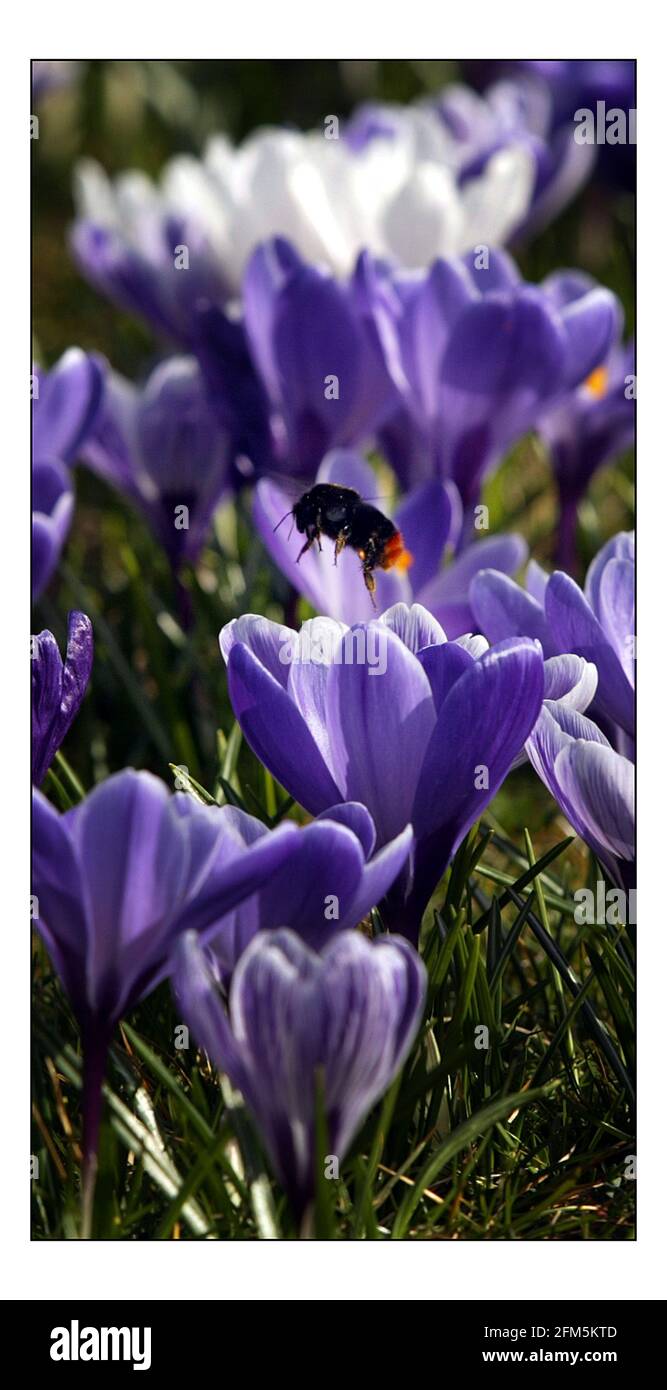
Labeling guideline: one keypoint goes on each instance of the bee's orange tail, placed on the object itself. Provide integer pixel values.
(396, 554)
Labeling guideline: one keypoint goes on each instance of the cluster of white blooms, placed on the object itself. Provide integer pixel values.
(398, 194)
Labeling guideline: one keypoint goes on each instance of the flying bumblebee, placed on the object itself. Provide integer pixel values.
(329, 509)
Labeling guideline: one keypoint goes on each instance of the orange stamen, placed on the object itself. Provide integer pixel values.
(598, 381)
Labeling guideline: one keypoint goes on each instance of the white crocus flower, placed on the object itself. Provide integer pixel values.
(397, 196)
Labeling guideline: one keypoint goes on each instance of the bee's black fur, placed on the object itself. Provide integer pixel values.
(340, 513)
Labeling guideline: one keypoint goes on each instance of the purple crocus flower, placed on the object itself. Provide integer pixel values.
(517, 114)
(146, 257)
(164, 448)
(236, 392)
(597, 624)
(317, 353)
(162, 265)
(577, 84)
(592, 783)
(429, 518)
(115, 881)
(66, 400)
(65, 404)
(347, 1018)
(477, 355)
(58, 687)
(330, 879)
(390, 714)
(52, 509)
(564, 86)
(591, 427)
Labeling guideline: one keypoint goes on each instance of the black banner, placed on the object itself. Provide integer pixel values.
(487, 1338)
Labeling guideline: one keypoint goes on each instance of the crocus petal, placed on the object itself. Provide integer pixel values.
(318, 647)
(45, 553)
(69, 399)
(216, 836)
(56, 885)
(425, 218)
(590, 781)
(317, 886)
(415, 626)
(473, 643)
(58, 689)
(368, 1040)
(485, 719)
(46, 681)
(111, 450)
(358, 820)
(266, 274)
(443, 664)
(317, 337)
(277, 732)
(380, 723)
(134, 871)
(425, 329)
(571, 680)
(242, 891)
(620, 547)
(509, 352)
(448, 596)
(576, 629)
(599, 784)
(378, 875)
(591, 324)
(536, 581)
(556, 726)
(52, 508)
(271, 643)
(502, 609)
(481, 727)
(77, 668)
(617, 611)
(429, 518)
(198, 998)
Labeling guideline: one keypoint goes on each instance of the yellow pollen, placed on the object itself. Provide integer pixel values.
(598, 381)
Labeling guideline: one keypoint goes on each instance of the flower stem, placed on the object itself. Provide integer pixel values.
(94, 1066)
(566, 549)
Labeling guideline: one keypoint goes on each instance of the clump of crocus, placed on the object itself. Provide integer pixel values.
(115, 881)
(478, 356)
